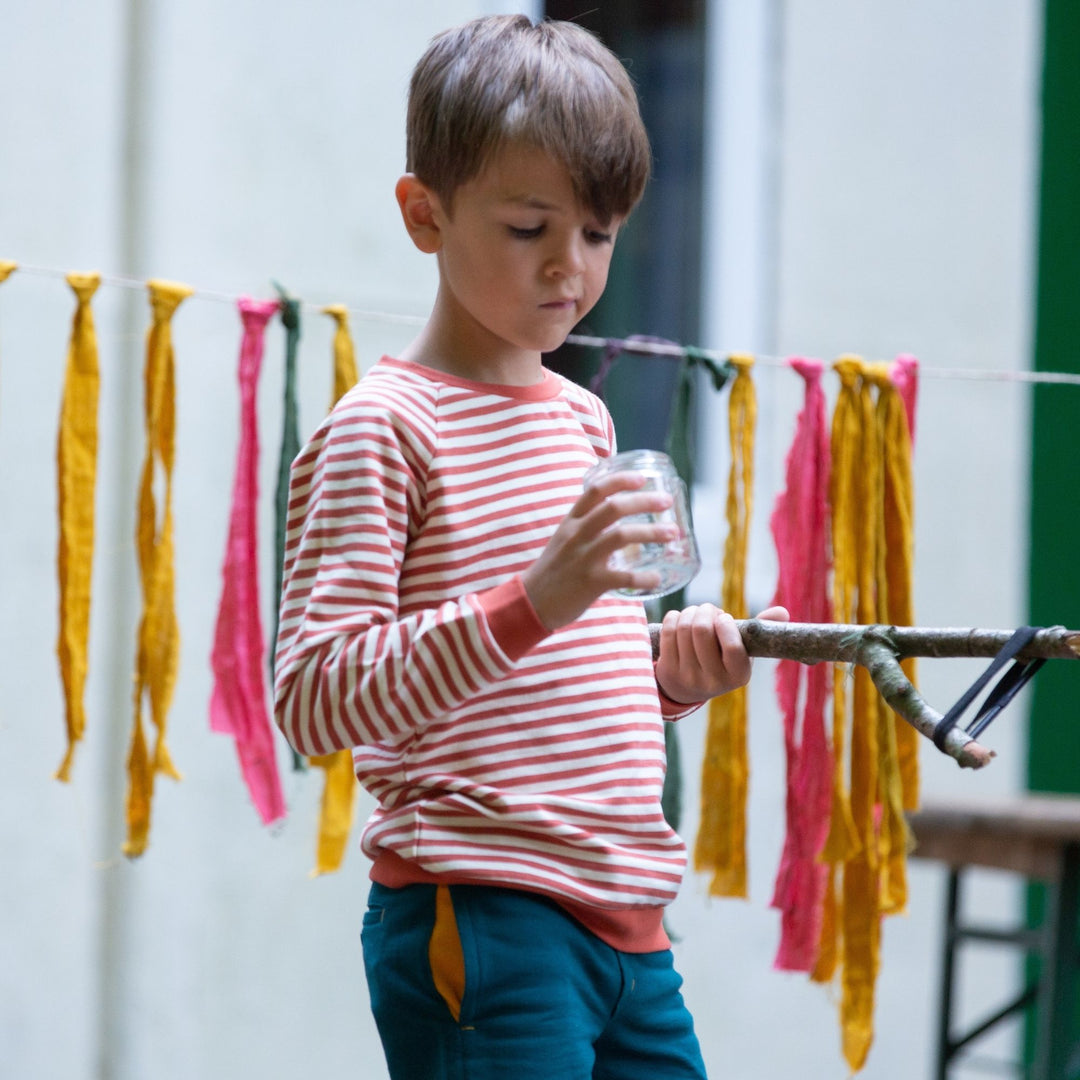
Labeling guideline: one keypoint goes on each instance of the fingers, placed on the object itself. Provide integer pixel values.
(617, 496)
(612, 514)
(776, 613)
(735, 659)
(575, 566)
(693, 637)
(696, 637)
(701, 654)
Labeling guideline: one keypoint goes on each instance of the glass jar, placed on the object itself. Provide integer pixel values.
(677, 561)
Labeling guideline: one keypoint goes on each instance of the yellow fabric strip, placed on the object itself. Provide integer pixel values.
(721, 840)
(345, 370)
(861, 920)
(76, 469)
(900, 560)
(7, 268)
(842, 842)
(871, 497)
(895, 548)
(338, 808)
(158, 636)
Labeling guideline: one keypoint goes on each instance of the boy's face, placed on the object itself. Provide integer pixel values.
(520, 261)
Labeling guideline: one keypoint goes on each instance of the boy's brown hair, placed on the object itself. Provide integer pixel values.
(551, 85)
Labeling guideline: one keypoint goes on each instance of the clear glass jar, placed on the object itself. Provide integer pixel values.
(677, 561)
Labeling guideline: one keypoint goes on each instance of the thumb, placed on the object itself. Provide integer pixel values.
(776, 613)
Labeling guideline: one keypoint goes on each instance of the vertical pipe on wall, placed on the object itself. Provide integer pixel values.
(117, 529)
(743, 109)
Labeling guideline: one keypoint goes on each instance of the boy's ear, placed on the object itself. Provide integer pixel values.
(418, 205)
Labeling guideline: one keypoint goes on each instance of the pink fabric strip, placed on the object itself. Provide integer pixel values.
(905, 377)
(800, 530)
(238, 705)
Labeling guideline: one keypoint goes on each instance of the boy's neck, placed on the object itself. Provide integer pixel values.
(464, 349)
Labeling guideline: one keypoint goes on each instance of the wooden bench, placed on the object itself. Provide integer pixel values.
(1037, 837)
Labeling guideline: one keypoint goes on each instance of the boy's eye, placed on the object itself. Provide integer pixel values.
(525, 234)
(596, 236)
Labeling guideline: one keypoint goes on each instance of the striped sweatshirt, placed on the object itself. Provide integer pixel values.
(499, 753)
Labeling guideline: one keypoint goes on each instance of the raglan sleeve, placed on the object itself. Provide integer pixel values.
(349, 669)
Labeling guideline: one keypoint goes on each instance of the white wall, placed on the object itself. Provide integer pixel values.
(271, 139)
(895, 214)
(874, 193)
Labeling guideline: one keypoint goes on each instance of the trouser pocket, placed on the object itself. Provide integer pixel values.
(445, 956)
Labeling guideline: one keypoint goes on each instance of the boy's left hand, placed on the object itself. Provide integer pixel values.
(702, 653)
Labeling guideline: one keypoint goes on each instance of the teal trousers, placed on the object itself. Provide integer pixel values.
(475, 982)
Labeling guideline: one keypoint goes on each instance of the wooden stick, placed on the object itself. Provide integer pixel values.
(880, 648)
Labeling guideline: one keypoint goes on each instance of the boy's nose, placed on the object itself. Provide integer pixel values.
(568, 259)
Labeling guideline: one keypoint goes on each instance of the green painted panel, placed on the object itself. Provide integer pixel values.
(1054, 738)
(1054, 759)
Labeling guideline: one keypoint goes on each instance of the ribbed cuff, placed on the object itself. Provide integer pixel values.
(675, 710)
(511, 618)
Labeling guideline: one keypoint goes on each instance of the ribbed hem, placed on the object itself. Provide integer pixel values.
(630, 930)
(511, 618)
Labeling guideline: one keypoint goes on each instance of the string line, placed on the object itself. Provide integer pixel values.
(640, 348)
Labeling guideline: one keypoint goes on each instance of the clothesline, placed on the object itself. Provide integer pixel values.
(868, 440)
(638, 347)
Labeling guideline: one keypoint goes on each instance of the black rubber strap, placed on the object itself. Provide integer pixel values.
(1007, 687)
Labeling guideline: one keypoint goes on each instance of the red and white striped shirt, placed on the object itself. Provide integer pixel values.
(499, 753)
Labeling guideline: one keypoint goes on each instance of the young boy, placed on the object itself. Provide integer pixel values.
(448, 614)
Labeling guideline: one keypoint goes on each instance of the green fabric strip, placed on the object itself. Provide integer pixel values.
(290, 447)
(680, 446)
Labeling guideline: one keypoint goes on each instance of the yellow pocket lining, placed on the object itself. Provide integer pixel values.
(445, 954)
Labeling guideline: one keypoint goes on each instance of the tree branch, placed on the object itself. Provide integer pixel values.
(880, 648)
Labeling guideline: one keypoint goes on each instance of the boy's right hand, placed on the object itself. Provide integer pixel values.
(573, 569)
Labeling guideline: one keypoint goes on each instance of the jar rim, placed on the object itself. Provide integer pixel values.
(638, 458)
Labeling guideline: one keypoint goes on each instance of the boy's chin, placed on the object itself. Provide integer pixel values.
(555, 339)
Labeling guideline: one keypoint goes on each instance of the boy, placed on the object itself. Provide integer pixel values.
(448, 615)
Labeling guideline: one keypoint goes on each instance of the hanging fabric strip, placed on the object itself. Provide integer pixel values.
(338, 808)
(346, 373)
(76, 464)
(238, 704)
(899, 742)
(290, 447)
(7, 268)
(721, 841)
(842, 841)
(799, 524)
(890, 826)
(158, 636)
(615, 347)
(905, 377)
(861, 923)
(612, 351)
(680, 443)
(900, 545)
(680, 447)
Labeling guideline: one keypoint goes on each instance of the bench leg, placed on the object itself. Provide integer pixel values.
(1054, 1038)
(948, 961)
